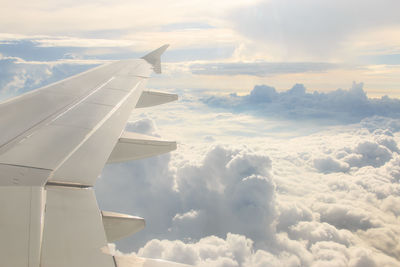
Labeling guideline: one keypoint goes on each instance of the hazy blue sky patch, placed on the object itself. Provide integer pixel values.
(389, 59)
(32, 51)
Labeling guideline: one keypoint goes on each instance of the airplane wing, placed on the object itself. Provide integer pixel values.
(54, 143)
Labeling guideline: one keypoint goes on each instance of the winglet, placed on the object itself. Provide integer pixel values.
(154, 58)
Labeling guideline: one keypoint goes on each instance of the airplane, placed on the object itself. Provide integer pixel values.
(54, 143)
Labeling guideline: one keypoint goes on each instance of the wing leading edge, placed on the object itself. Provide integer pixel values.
(54, 142)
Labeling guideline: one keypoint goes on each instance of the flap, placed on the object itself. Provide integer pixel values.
(21, 209)
(152, 98)
(132, 146)
(73, 232)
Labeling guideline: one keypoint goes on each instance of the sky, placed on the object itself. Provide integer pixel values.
(287, 123)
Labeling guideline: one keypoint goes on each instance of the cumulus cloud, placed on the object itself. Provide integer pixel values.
(392, 204)
(16, 77)
(143, 126)
(381, 124)
(292, 213)
(313, 232)
(366, 153)
(375, 152)
(237, 250)
(232, 250)
(208, 251)
(345, 216)
(384, 239)
(19, 76)
(231, 190)
(329, 164)
(234, 199)
(346, 106)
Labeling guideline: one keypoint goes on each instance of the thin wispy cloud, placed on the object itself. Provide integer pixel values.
(262, 69)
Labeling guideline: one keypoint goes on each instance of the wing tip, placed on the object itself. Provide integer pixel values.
(154, 57)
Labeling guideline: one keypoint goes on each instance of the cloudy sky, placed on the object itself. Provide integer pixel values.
(287, 123)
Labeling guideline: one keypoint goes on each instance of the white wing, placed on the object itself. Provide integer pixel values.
(54, 143)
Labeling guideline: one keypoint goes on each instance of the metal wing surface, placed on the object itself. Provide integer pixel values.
(54, 143)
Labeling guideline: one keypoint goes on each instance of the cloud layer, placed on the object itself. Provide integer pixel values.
(338, 106)
(329, 198)
(19, 76)
(197, 200)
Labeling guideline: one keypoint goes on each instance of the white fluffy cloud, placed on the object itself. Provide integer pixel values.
(337, 106)
(373, 153)
(19, 76)
(329, 164)
(230, 191)
(265, 203)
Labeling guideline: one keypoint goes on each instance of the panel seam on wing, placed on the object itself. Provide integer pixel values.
(25, 166)
(116, 107)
